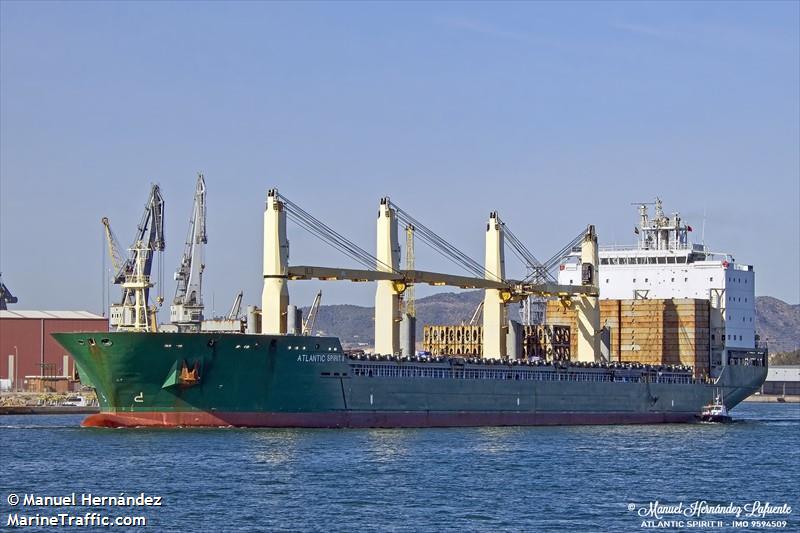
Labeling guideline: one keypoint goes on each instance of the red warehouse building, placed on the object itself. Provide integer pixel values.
(27, 349)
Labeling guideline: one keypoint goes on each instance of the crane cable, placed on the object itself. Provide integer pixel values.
(538, 271)
(331, 237)
(550, 265)
(441, 246)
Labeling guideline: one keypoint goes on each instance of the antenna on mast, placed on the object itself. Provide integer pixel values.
(703, 231)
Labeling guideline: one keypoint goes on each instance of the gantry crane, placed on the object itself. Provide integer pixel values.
(186, 310)
(133, 312)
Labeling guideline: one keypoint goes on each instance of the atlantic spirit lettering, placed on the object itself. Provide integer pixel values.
(321, 358)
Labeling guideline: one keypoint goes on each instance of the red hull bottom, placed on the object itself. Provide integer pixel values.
(369, 419)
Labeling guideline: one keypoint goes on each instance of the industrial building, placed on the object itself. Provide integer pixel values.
(782, 381)
(28, 351)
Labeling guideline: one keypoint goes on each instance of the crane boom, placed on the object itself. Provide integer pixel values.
(236, 307)
(150, 230)
(311, 319)
(474, 320)
(187, 306)
(114, 252)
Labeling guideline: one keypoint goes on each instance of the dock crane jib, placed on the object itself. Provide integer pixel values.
(133, 312)
(186, 310)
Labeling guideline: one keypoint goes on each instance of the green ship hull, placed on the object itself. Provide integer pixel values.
(214, 379)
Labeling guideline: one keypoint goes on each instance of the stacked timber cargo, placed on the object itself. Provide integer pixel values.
(549, 342)
(674, 332)
(561, 315)
(544, 342)
(452, 340)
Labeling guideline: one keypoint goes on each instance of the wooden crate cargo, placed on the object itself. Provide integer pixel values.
(649, 331)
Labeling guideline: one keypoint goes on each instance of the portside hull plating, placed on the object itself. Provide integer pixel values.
(288, 381)
(375, 419)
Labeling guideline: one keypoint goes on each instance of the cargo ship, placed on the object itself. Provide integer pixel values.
(271, 377)
(233, 379)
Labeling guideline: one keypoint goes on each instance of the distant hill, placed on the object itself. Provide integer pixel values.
(777, 322)
(353, 324)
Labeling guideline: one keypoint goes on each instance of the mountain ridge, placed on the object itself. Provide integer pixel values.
(777, 322)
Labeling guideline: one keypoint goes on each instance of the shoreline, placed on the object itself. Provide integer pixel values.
(47, 410)
(773, 398)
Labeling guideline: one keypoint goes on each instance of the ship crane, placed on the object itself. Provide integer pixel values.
(409, 297)
(133, 312)
(236, 307)
(186, 311)
(476, 315)
(311, 319)
(392, 281)
(118, 261)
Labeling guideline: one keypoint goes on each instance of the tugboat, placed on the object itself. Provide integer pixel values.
(715, 412)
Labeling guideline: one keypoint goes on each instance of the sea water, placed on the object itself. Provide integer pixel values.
(579, 479)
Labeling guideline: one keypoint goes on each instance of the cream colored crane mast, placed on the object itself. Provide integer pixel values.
(387, 295)
(495, 321)
(275, 295)
(587, 306)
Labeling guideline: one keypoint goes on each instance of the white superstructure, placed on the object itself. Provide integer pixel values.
(666, 264)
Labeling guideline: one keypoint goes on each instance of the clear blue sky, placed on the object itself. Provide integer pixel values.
(555, 114)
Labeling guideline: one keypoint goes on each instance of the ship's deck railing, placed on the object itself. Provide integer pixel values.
(514, 374)
(636, 248)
